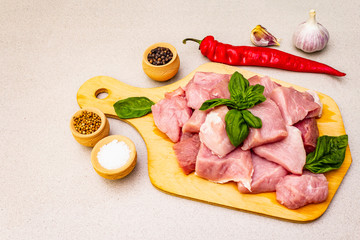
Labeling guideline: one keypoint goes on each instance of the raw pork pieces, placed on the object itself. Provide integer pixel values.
(266, 176)
(296, 191)
(270, 159)
(171, 113)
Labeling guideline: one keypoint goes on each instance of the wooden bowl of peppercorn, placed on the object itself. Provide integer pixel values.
(89, 125)
(161, 61)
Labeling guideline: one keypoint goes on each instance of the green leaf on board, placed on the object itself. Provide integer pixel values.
(133, 107)
(328, 155)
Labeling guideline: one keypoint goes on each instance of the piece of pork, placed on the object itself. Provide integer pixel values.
(206, 85)
(265, 177)
(171, 113)
(221, 89)
(294, 105)
(177, 92)
(317, 100)
(213, 133)
(273, 125)
(294, 191)
(186, 152)
(309, 133)
(264, 81)
(289, 152)
(196, 120)
(236, 166)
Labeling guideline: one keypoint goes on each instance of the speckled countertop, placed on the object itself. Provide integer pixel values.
(48, 188)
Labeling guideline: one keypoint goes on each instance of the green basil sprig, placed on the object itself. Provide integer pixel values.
(251, 120)
(133, 107)
(217, 102)
(236, 127)
(238, 119)
(328, 155)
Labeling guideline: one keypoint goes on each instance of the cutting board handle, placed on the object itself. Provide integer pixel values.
(87, 95)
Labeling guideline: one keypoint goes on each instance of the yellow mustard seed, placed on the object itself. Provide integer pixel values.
(87, 122)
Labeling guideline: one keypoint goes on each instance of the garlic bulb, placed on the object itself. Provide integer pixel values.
(311, 36)
(261, 37)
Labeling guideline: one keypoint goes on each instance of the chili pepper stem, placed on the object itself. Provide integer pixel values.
(192, 39)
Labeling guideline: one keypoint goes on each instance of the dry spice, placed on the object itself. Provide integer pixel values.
(87, 122)
(114, 155)
(160, 56)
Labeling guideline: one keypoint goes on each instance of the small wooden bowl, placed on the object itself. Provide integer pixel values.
(165, 72)
(90, 140)
(118, 173)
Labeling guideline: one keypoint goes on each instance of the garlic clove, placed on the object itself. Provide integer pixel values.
(261, 37)
(311, 36)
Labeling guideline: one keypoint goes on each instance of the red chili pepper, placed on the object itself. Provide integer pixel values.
(259, 56)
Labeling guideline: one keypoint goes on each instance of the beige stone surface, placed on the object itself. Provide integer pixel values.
(48, 188)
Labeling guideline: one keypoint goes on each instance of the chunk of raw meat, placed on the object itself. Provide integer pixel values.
(205, 86)
(317, 100)
(236, 166)
(309, 133)
(289, 152)
(186, 152)
(221, 90)
(185, 136)
(294, 105)
(265, 177)
(264, 81)
(295, 191)
(254, 80)
(177, 92)
(171, 113)
(196, 120)
(273, 125)
(213, 133)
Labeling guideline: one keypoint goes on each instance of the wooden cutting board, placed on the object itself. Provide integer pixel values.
(163, 168)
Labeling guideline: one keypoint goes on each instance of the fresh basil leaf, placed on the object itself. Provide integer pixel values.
(243, 105)
(216, 102)
(236, 127)
(256, 89)
(133, 107)
(251, 120)
(328, 155)
(237, 86)
(255, 93)
(243, 94)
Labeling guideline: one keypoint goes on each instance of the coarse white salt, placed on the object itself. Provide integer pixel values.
(114, 155)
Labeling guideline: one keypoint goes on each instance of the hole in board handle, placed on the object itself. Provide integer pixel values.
(102, 93)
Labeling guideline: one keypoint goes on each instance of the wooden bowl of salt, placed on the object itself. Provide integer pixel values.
(114, 157)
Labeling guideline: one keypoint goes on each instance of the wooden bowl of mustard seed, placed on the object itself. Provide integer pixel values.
(161, 61)
(89, 125)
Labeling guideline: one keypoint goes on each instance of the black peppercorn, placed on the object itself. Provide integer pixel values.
(160, 56)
